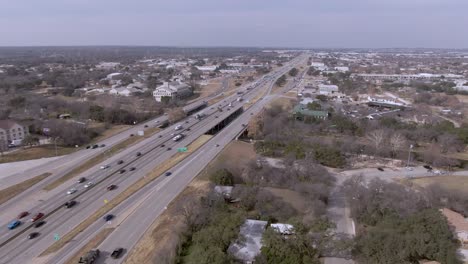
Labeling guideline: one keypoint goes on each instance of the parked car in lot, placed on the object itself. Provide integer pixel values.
(111, 187)
(39, 224)
(108, 217)
(23, 214)
(13, 224)
(70, 204)
(116, 253)
(71, 191)
(81, 180)
(37, 217)
(33, 235)
(89, 184)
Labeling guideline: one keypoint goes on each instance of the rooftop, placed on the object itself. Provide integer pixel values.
(249, 248)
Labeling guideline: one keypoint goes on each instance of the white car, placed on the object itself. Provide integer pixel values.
(71, 191)
(103, 167)
(89, 184)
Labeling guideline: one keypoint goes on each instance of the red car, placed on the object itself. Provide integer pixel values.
(37, 217)
(23, 214)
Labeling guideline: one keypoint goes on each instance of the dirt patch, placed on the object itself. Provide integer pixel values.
(93, 243)
(209, 89)
(458, 183)
(294, 198)
(127, 193)
(30, 153)
(234, 157)
(159, 244)
(100, 158)
(12, 191)
(114, 130)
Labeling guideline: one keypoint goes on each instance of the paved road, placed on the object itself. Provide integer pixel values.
(21, 250)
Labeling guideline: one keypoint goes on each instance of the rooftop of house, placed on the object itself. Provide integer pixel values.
(7, 123)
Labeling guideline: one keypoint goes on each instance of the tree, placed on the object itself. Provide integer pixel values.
(396, 141)
(376, 137)
(222, 177)
(30, 140)
(293, 72)
(176, 114)
(281, 80)
(322, 97)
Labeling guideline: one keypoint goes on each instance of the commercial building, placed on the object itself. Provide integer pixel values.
(172, 90)
(327, 89)
(11, 132)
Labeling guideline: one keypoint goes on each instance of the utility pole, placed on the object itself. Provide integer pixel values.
(409, 155)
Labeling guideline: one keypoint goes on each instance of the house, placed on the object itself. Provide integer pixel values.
(123, 91)
(327, 89)
(248, 248)
(11, 132)
(385, 101)
(284, 229)
(172, 90)
(301, 112)
(459, 223)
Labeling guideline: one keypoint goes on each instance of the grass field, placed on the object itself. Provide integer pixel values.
(30, 153)
(12, 191)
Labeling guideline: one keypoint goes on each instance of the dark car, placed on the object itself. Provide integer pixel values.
(186, 122)
(216, 116)
(121, 171)
(23, 214)
(95, 146)
(162, 146)
(168, 173)
(427, 167)
(380, 169)
(70, 204)
(160, 136)
(81, 180)
(132, 169)
(108, 217)
(111, 187)
(116, 253)
(188, 129)
(146, 126)
(138, 154)
(102, 145)
(169, 149)
(33, 235)
(120, 162)
(37, 217)
(131, 135)
(39, 224)
(88, 147)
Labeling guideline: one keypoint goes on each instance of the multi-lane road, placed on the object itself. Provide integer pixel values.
(136, 213)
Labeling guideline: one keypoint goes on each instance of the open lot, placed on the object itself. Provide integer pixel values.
(458, 183)
(39, 152)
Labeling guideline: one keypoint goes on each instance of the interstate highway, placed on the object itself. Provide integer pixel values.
(65, 219)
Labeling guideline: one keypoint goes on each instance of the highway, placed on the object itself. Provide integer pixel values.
(61, 220)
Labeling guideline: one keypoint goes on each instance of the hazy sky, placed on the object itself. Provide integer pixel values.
(294, 23)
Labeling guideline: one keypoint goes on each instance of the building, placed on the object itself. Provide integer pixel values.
(284, 229)
(11, 132)
(172, 90)
(327, 89)
(248, 248)
(301, 112)
(387, 102)
(123, 91)
(342, 69)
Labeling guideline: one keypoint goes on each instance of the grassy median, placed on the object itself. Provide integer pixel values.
(100, 158)
(12, 191)
(93, 243)
(155, 173)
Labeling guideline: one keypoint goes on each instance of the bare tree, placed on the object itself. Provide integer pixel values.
(396, 141)
(175, 114)
(376, 137)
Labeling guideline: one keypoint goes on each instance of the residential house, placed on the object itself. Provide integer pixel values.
(11, 131)
(172, 90)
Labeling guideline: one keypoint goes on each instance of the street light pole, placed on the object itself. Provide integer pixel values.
(409, 155)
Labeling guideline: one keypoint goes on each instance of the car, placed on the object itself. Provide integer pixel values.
(427, 167)
(168, 173)
(81, 180)
(70, 204)
(138, 154)
(162, 145)
(188, 129)
(251, 113)
(169, 149)
(33, 235)
(39, 224)
(120, 162)
(102, 145)
(243, 125)
(111, 187)
(23, 214)
(131, 135)
(216, 116)
(108, 217)
(95, 146)
(37, 217)
(157, 121)
(116, 253)
(160, 136)
(71, 191)
(89, 184)
(103, 167)
(88, 147)
(380, 169)
(132, 169)
(217, 145)
(186, 122)
(146, 126)
(228, 109)
(122, 171)
(13, 224)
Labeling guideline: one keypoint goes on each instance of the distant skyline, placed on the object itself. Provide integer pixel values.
(243, 23)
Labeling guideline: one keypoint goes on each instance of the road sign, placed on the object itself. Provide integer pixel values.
(56, 237)
(182, 150)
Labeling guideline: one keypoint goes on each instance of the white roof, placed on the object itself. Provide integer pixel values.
(283, 228)
(248, 248)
